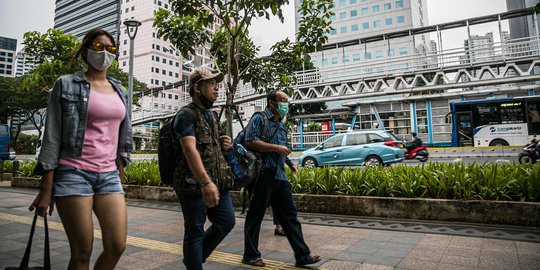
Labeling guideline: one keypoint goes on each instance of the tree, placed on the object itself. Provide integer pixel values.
(187, 26)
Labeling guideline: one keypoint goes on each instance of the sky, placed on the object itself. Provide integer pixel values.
(20, 16)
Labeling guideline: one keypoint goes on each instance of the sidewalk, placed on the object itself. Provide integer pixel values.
(155, 232)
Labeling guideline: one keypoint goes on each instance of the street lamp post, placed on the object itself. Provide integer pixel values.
(131, 25)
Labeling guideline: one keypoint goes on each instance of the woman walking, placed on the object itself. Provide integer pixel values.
(84, 150)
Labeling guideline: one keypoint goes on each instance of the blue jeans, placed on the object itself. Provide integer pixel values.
(70, 181)
(278, 194)
(198, 243)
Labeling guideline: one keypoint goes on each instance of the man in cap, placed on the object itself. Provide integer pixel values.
(202, 177)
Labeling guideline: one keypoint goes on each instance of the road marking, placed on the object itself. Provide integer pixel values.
(217, 256)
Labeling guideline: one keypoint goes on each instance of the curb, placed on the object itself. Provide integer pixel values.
(490, 212)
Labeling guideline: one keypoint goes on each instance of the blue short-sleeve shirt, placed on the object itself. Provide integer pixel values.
(277, 134)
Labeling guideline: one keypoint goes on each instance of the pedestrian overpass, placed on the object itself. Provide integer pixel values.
(418, 83)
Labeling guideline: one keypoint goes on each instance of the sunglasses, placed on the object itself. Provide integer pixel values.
(98, 47)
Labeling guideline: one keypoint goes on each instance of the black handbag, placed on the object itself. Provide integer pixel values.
(26, 258)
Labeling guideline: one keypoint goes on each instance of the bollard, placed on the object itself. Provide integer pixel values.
(15, 171)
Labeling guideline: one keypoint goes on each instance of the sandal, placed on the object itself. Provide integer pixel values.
(255, 262)
(279, 232)
(310, 260)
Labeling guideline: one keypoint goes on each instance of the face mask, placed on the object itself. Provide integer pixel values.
(283, 108)
(205, 102)
(100, 60)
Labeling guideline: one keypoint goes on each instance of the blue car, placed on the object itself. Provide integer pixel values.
(369, 148)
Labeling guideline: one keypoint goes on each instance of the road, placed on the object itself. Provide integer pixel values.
(295, 156)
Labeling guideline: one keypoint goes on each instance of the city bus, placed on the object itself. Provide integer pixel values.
(495, 121)
(4, 142)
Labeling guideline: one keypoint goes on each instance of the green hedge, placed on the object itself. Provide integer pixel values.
(461, 181)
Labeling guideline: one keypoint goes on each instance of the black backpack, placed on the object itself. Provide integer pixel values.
(246, 164)
(168, 149)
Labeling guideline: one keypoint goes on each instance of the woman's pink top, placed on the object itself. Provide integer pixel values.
(105, 113)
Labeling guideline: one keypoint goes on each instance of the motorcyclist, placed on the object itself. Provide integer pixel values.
(414, 143)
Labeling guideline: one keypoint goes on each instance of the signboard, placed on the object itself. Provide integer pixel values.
(325, 127)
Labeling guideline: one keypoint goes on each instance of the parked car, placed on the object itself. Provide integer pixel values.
(369, 148)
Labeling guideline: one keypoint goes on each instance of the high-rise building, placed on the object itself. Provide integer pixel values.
(157, 62)
(522, 26)
(24, 63)
(479, 48)
(8, 48)
(357, 19)
(78, 17)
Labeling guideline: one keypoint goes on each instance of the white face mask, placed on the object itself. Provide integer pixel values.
(100, 60)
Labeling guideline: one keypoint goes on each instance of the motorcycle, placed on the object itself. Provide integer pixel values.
(421, 153)
(529, 154)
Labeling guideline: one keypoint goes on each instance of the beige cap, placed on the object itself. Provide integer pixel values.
(204, 73)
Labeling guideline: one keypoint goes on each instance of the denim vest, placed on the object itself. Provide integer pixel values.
(65, 124)
(212, 157)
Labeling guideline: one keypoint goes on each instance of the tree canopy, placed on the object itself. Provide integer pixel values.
(189, 26)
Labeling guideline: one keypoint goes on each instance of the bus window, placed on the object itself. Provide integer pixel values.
(487, 114)
(512, 113)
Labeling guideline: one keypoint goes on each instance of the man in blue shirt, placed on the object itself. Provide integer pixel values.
(272, 186)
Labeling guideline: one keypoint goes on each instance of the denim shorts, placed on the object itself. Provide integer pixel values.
(69, 181)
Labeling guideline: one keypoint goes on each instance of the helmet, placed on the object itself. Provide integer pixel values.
(413, 134)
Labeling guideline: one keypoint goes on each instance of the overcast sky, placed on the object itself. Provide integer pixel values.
(20, 16)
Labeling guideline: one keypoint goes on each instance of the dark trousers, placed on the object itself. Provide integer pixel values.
(198, 243)
(278, 194)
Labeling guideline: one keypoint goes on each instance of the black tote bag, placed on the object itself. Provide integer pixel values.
(26, 258)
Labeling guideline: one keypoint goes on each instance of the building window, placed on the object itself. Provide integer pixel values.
(402, 50)
(343, 29)
(124, 63)
(388, 21)
(125, 41)
(132, 8)
(158, 47)
(378, 54)
(367, 55)
(127, 10)
(353, 2)
(314, 62)
(354, 13)
(365, 25)
(342, 3)
(364, 11)
(170, 62)
(334, 60)
(157, 70)
(345, 59)
(164, 61)
(376, 24)
(157, 58)
(387, 6)
(376, 9)
(170, 73)
(332, 17)
(164, 72)
(392, 52)
(354, 27)
(343, 15)
(124, 53)
(325, 62)
(400, 19)
(176, 75)
(399, 3)
(333, 31)
(356, 57)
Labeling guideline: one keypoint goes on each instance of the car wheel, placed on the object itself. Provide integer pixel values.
(372, 161)
(309, 163)
(498, 142)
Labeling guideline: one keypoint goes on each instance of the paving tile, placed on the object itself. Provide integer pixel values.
(417, 264)
(463, 252)
(340, 265)
(425, 255)
(367, 266)
(445, 266)
(459, 260)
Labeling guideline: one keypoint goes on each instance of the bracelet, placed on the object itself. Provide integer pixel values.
(205, 184)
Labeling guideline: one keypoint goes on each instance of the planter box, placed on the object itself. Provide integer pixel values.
(6, 176)
(494, 212)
